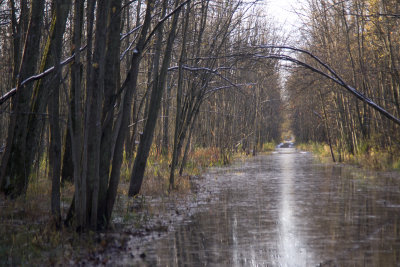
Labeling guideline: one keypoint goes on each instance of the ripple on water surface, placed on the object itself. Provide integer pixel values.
(286, 209)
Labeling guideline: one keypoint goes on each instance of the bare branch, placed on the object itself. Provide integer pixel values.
(12, 92)
(334, 77)
(213, 90)
(123, 36)
(163, 20)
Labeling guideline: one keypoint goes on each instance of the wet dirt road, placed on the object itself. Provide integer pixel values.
(286, 209)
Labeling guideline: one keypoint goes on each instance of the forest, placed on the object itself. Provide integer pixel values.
(92, 92)
(360, 40)
(89, 84)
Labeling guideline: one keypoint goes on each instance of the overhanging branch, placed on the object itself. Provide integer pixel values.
(13, 91)
(332, 76)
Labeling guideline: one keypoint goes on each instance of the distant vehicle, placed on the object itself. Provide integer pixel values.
(285, 145)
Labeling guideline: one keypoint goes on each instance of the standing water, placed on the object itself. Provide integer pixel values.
(286, 209)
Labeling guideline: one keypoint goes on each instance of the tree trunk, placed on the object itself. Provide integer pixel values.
(14, 169)
(61, 13)
(42, 88)
(185, 154)
(327, 130)
(75, 122)
(19, 32)
(147, 138)
(95, 91)
(67, 173)
(130, 87)
(178, 116)
(111, 82)
(165, 132)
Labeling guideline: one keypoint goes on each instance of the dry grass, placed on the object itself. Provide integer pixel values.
(156, 178)
(373, 158)
(27, 232)
(268, 147)
(28, 236)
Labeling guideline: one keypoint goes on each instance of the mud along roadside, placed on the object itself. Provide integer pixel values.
(146, 219)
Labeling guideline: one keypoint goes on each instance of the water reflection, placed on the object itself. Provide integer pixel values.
(291, 245)
(288, 210)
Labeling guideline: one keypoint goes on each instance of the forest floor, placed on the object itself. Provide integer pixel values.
(28, 236)
(147, 219)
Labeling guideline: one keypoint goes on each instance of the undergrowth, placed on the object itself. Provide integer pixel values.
(28, 236)
(268, 147)
(366, 156)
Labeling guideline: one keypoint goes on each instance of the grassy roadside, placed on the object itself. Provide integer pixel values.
(28, 237)
(371, 158)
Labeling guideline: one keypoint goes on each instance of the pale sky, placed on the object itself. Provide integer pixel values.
(281, 10)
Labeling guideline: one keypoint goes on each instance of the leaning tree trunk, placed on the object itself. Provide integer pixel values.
(179, 115)
(185, 154)
(15, 170)
(42, 89)
(130, 86)
(18, 29)
(155, 102)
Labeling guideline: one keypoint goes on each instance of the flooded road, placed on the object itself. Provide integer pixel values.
(286, 209)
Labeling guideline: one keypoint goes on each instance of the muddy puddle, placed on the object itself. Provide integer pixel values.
(286, 209)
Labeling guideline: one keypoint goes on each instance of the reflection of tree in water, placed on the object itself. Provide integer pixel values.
(234, 232)
(287, 210)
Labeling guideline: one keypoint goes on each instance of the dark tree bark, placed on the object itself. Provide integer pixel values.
(155, 101)
(178, 116)
(42, 88)
(14, 168)
(78, 206)
(93, 126)
(186, 153)
(129, 85)
(67, 171)
(62, 8)
(186, 109)
(327, 130)
(165, 132)
(18, 32)
(111, 82)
